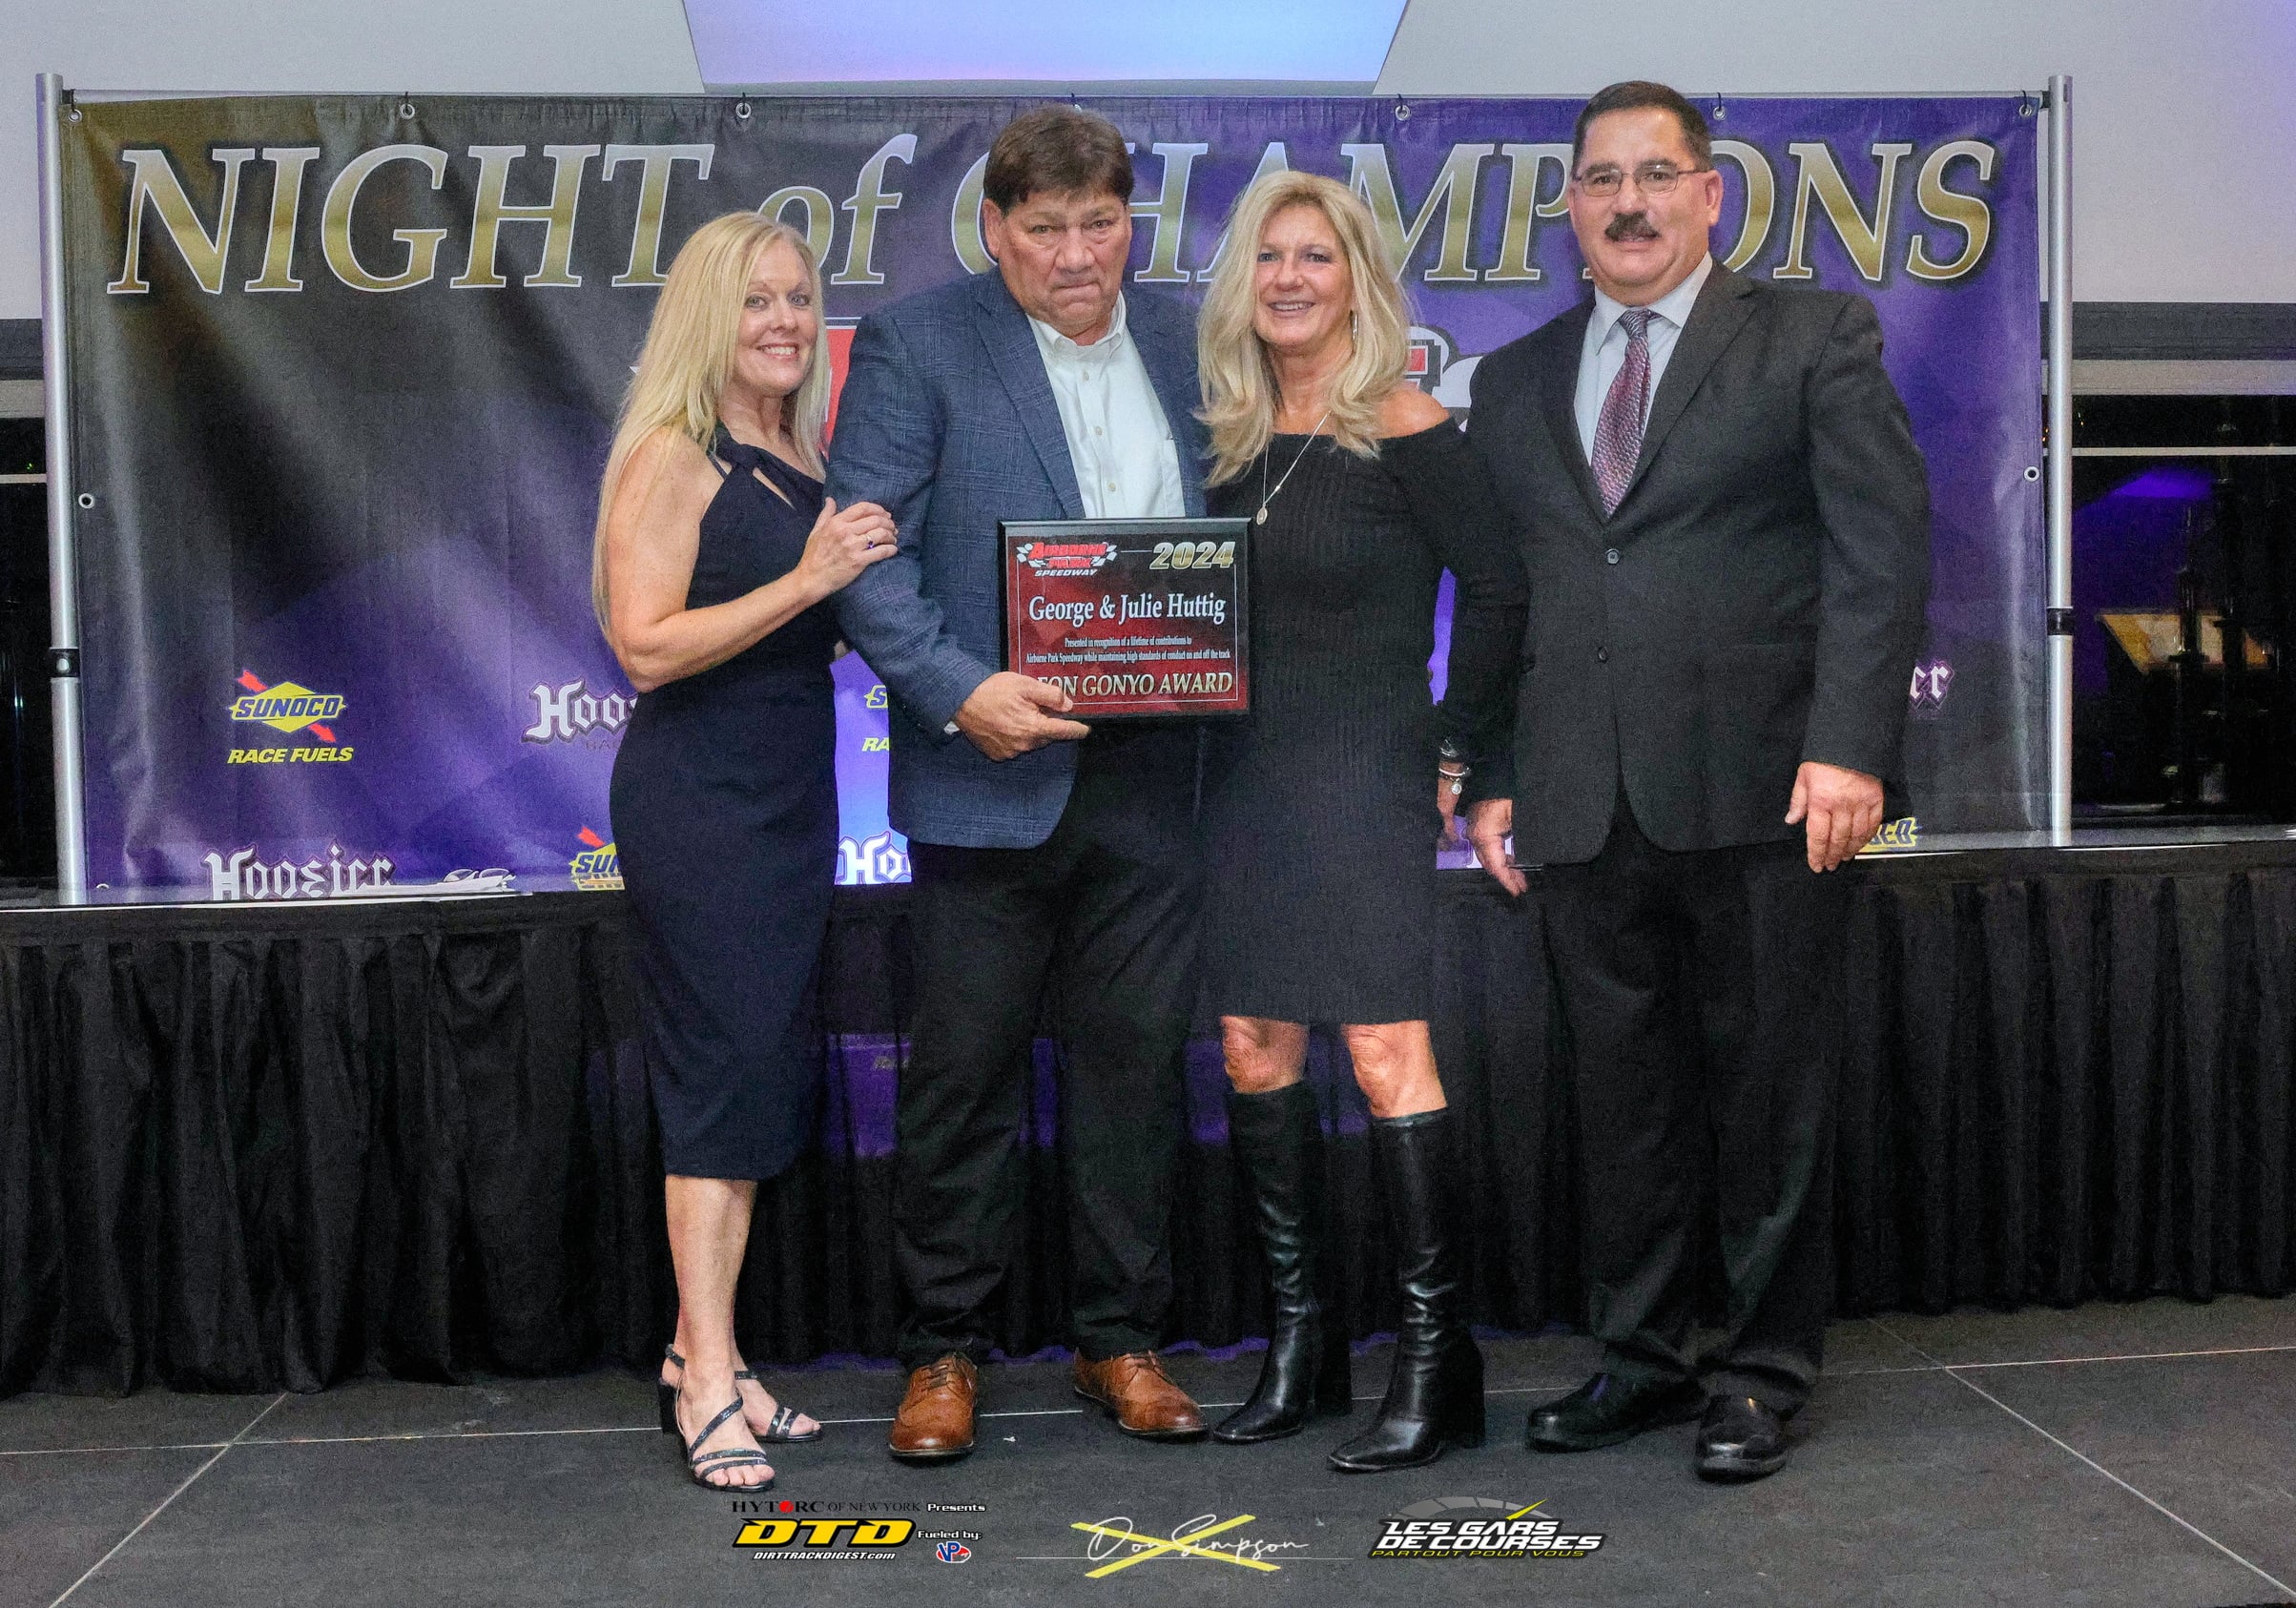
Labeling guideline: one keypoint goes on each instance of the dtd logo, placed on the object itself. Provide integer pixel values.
(825, 1534)
(573, 710)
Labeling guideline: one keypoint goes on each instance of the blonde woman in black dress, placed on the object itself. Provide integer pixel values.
(1320, 823)
(715, 562)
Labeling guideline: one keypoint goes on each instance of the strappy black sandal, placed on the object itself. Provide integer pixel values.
(776, 1428)
(701, 1464)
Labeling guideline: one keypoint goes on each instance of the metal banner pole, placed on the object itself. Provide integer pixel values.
(63, 547)
(2060, 459)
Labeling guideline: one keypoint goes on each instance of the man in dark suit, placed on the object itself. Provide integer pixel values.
(1724, 522)
(1045, 857)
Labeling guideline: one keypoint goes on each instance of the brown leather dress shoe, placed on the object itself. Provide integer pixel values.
(1140, 1395)
(934, 1423)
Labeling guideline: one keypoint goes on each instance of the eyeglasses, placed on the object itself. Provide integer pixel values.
(1651, 178)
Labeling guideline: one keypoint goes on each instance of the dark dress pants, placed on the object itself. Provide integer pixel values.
(1703, 996)
(1099, 923)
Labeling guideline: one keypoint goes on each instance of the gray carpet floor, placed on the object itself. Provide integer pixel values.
(2137, 1455)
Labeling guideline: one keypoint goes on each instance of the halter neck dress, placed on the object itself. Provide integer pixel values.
(725, 818)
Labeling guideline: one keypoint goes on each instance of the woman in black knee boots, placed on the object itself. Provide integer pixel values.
(1321, 808)
(1435, 1394)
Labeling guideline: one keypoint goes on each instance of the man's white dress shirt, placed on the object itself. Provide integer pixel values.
(1127, 463)
(1605, 352)
(1128, 466)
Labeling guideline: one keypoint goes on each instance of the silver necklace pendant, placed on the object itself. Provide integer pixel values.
(1265, 496)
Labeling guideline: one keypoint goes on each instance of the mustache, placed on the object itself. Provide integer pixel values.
(1630, 226)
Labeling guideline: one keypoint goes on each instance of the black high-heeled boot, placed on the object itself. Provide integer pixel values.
(1280, 1141)
(1434, 1397)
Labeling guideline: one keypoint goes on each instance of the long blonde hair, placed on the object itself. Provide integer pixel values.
(1239, 376)
(681, 374)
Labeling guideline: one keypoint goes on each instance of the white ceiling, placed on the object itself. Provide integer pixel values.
(759, 42)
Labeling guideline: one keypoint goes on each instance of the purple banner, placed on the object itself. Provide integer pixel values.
(345, 373)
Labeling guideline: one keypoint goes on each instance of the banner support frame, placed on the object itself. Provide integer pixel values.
(63, 544)
(2059, 448)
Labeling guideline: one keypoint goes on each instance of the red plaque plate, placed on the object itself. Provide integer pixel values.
(1141, 618)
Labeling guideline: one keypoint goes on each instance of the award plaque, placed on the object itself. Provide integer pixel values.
(1136, 618)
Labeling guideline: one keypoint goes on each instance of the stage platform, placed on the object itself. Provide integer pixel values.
(266, 1146)
(2114, 1455)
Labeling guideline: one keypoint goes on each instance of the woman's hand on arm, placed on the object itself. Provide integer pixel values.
(653, 535)
(845, 542)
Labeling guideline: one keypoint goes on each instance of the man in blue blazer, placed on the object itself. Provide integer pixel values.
(1051, 863)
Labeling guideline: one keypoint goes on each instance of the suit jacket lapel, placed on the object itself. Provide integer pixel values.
(1558, 396)
(1169, 356)
(1012, 347)
(1720, 312)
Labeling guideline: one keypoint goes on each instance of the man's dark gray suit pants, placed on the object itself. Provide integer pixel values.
(1096, 927)
(1703, 997)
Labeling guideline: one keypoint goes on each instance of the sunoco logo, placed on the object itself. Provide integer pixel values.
(597, 867)
(571, 712)
(286, 707)
(1903, 833)
(1066, 558)
(294, 710)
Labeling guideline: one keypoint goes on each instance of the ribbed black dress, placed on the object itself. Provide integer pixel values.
(1319, 816)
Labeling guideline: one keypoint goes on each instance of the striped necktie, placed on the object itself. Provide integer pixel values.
(1619, 431)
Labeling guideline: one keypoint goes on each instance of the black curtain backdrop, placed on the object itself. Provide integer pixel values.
(265, 1147)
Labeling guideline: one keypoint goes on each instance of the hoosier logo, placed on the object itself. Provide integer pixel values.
(247, 876)
(571, 710)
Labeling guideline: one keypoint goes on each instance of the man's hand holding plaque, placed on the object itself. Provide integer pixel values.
(1009, 715)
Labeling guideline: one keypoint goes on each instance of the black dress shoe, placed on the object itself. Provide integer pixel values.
(1740, 1439)
(1608, 1410)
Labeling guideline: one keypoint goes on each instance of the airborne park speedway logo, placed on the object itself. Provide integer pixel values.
(1451, 1527)
(1066, 558)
